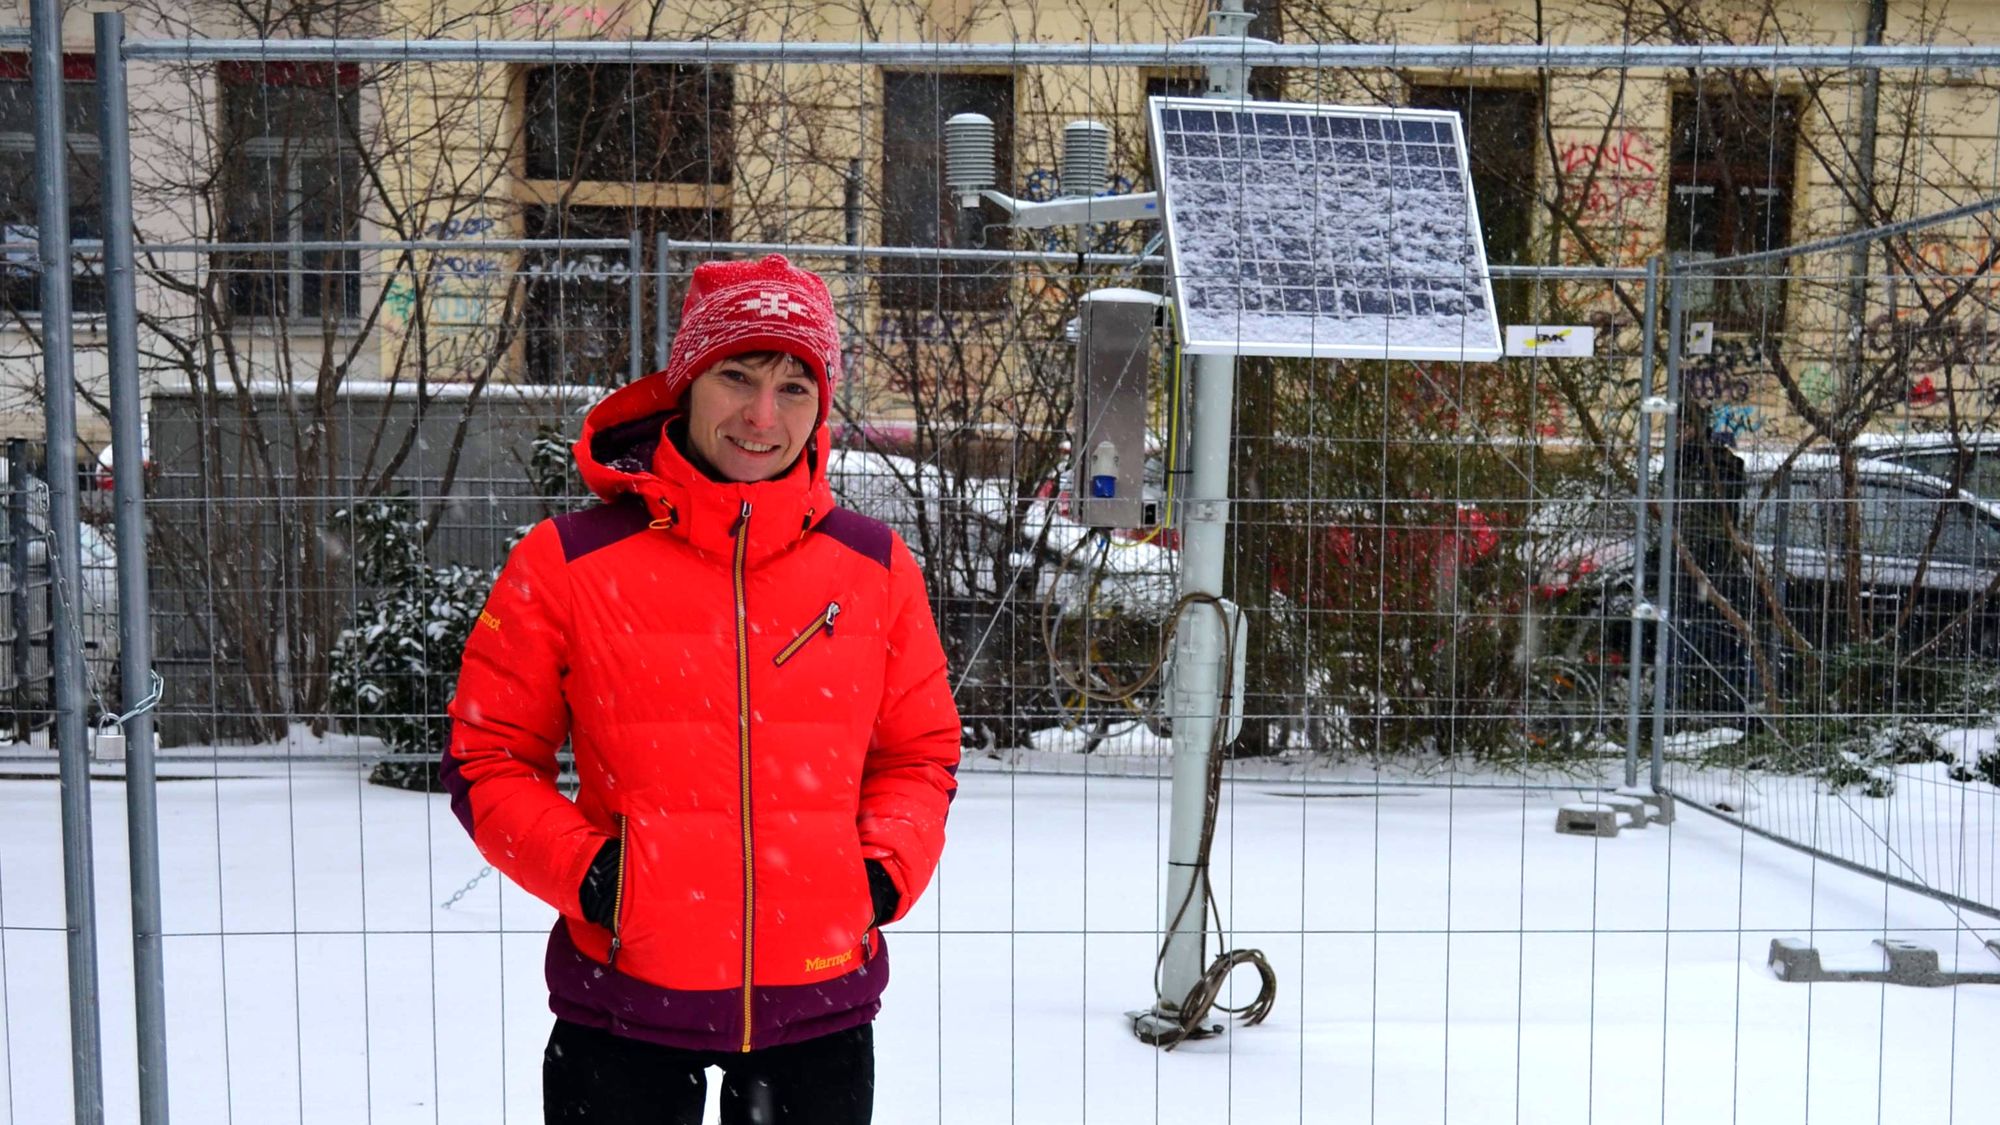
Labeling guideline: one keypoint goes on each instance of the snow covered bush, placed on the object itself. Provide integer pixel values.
(396, 665)
(1986, 768)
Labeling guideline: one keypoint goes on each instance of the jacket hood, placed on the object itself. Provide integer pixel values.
(625, 452)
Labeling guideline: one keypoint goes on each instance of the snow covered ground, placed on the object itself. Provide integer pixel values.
(1442, 955)
(1931, 827)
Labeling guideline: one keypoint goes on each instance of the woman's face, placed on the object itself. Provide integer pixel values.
(748, 420)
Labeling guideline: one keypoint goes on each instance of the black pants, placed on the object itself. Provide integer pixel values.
(592, 1077)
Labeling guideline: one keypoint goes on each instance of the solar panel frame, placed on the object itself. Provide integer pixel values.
(1477, 336)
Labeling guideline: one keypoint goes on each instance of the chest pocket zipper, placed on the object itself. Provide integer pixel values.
(821, 624)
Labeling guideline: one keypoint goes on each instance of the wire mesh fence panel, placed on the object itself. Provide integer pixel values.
(1723, 523)
(1834, 606)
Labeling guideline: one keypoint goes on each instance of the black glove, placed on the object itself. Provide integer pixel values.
(882, 890)
(599, 892)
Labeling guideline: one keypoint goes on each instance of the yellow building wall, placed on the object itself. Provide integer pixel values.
(1606, 149)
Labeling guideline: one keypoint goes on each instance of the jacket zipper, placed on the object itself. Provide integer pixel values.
(743, 765)
(618, 892)
(821, 624)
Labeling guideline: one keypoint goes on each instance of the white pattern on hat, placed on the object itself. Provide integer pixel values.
(768, 303)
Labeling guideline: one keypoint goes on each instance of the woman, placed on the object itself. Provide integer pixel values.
(765, 740)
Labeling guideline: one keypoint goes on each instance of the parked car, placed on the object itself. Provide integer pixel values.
(928, 504)
(1938, 455)
(1924, 547)
(1927, 552)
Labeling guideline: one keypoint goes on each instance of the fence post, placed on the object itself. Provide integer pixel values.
(18, 592)
(662, 249)
(66, 648)
(1663, 600)
(850, 206)
(135, 637)
(1648, 341)
(635, 305)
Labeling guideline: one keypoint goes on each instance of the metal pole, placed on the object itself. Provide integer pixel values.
(845, 251)
(851, 362)
(635, 306)
(1864, 201)
(1204, 52)
(662, 259)
(1663, 599)
(19, 593)
(1197, 670)
(1649, 342)
(1198, 640)
(66, 663)
(135, 636)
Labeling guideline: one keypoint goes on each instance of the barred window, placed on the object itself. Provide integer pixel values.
(1732, 160)
(290, 171)
(577, 307)
(20, 268)
(915, 208)
(655, 124)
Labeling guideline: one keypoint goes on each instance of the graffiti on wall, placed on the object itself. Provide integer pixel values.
(568, 17)
(460, 292)
(1628, 245)
(1968, 341)
(1614, 182)
(1732, 423)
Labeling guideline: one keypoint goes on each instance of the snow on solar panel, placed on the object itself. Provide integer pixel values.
(1331, 231)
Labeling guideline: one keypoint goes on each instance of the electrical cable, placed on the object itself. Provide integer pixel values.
(1190, 1011)
(1205, 994)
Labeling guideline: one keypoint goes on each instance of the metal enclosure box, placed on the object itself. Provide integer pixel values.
(1113, 361)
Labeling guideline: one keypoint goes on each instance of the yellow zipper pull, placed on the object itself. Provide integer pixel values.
(618, 895)
(821, 624)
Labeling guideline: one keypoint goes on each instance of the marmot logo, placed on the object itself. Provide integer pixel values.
(488, 620)
(819, 964)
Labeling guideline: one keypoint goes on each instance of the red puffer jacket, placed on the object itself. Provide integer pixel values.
(754, 690)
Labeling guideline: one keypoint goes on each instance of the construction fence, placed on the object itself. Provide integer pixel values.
(1741, 548)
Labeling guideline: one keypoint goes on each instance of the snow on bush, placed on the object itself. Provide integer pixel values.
(395, 667)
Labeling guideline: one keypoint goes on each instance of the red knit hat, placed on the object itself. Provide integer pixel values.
(769, 305)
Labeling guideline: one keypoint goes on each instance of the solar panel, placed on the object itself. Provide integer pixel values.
(1329, 231)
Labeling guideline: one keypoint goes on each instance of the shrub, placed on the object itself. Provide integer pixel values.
(396, 666)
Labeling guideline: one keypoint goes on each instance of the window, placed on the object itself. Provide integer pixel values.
(1267, 19)
(577, 304)
(1897, 523)
(1981, 475)
(20, 272)
(656, 124)
(1969, 537)
(1501, 128)
(1817, 521)
(1732, 161)
(290, 172)
(915, 209)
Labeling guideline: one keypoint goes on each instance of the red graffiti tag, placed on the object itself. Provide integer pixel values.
(1629, 152)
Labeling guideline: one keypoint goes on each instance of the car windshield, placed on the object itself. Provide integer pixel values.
(1896, 522)
(1982, 478)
